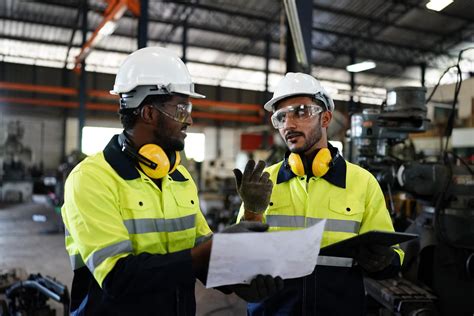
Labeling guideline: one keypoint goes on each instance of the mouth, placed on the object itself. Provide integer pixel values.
(292, 137)
(183, 131)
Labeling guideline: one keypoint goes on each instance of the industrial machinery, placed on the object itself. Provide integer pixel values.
(16, 184)
(29, 296)
(442, 259)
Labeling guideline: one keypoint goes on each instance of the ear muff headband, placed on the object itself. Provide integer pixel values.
(152, 159)
(320, 166)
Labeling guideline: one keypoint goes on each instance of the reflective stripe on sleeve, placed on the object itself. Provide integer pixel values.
(76, 261)
(334, 261)
(202, 239)
(99, 256)
(156, 225)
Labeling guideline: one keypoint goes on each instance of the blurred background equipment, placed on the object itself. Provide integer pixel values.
(441, 192)
(16, 184)
(21, 295)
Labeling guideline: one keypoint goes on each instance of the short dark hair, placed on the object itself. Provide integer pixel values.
(129, 117)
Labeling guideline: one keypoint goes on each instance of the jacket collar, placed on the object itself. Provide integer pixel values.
(336, 174)
(125, 165)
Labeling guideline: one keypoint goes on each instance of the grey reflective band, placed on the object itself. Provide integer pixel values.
(334, 261)
(157, 225)
(285, 221)
(202, 239)
(66, 232)
(76, 261)
(336, 225)
(457, 212)
(99, 256)
(332, 225)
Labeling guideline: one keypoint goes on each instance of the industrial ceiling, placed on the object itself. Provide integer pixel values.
(227, 42)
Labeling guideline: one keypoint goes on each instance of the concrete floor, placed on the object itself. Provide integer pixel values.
(24, 243)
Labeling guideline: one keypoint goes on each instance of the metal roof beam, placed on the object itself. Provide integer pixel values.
(367, 39)
(231, 13)
(261, 37)
(316, 46)
(124, 51)
(343, 12)
(441, 13)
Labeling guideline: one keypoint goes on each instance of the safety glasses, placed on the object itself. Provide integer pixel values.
(298, 112)
(181, 114)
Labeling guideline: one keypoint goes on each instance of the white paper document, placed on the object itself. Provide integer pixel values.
(238, 258)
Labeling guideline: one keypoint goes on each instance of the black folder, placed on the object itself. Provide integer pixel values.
(348, 248)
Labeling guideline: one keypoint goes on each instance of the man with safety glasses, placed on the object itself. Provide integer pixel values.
(313, 182)
(135, 233)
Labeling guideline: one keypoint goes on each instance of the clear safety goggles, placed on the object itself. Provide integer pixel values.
(298, 112)
(181, 114)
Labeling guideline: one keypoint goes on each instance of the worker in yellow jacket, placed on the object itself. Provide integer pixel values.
(314, 182)
(135, 233)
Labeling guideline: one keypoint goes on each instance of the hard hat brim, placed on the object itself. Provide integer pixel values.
(269, 105)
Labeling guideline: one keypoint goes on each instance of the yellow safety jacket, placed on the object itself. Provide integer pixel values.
(348, 197)
(351, 201)
(112, 210)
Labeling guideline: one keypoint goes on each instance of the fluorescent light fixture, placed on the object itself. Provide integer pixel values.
(296, 34)
(108, 28)
(438, 5)
(365, 65)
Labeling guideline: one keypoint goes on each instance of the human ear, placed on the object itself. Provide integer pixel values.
(326, 118)
(147, 113)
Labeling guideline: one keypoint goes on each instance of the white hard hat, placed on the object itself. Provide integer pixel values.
(294, 84)
(149, 71)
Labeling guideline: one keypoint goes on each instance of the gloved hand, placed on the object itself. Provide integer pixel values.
(261, 287)
(373, 258)
(246, 227)
(254, 187)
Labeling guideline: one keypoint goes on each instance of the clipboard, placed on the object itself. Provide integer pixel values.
(348, 248)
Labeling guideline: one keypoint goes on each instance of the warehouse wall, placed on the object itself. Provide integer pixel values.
(50, 128)
(465, 99)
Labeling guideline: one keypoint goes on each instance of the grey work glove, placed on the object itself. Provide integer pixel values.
(246, 227)
(373, 258)
(254, 186)
(260, 288)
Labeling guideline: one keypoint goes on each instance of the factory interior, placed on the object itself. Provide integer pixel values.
(400, 72)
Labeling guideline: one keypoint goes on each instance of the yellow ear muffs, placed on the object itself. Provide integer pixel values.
(296, 164)
(158, 164)
(320, 165)
(321, 162)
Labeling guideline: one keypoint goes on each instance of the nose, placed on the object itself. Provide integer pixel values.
(189, 120)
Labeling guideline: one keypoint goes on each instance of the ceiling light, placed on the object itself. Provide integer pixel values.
(365, 65)
(438, 5)
(296, 34)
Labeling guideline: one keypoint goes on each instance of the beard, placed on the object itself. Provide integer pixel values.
(311, 138)
(164, 137)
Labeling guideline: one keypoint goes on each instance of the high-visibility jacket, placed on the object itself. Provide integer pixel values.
(116, 216)
(351, 201)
